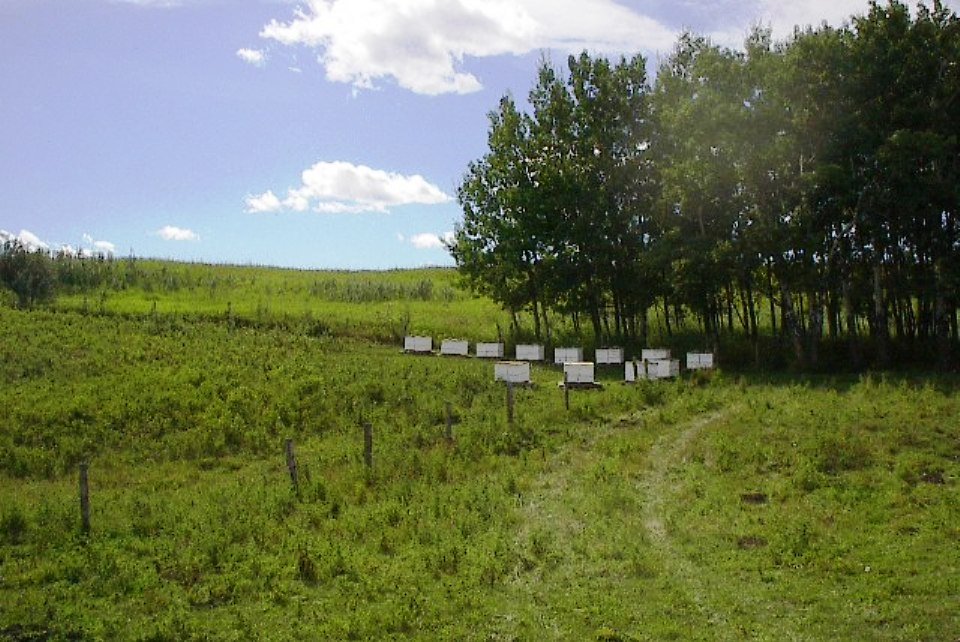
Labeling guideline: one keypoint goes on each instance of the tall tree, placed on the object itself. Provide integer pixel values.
(562, 197)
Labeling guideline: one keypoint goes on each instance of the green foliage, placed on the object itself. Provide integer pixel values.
(555, 213)
(29, 275)
(689, 509)
(381, 307)
(815, 176)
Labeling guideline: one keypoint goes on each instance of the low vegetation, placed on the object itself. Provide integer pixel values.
(716, 506)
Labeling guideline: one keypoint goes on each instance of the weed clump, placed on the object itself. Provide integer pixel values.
(13, 525)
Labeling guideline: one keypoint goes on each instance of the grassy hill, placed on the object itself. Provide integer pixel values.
(725, 506)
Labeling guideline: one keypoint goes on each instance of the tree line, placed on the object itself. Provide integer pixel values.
(804, 189)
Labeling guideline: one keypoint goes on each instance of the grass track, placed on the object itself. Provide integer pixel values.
(665, 461)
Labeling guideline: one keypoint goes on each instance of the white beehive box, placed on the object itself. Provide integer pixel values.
(529, 352)
(490, 350)
(567, 355)
(638, 370)
(418, 344)
(663, 368)
(609, 356)
(578, 372)
(699, 360)
(512, 371)
(455, 347)
(654, 354)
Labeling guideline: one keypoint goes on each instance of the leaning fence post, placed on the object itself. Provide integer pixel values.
(368, 445)
(292, 466)
(84, 500)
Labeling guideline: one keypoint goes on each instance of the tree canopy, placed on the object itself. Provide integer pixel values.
(817, 176)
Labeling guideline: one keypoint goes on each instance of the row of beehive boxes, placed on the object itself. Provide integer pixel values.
(657, 364)
(535, 352)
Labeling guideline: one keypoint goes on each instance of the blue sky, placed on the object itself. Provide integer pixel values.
(321, 134)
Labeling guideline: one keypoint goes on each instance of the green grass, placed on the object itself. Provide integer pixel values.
(373, 306)
(712, 507)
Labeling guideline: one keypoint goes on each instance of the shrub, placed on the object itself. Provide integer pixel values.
(13, 525)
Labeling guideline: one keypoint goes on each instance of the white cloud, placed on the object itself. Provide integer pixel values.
(422, 44)
(429, 241)
(171, 233)
(783, 16)
(104, 247)
(266, 202)
(732, 21)
(255, 57)
(28, 239)
(728, 22)
(33, 242)
(343, 188)
(97, 247)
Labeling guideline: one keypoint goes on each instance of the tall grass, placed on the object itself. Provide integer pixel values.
(714, 506)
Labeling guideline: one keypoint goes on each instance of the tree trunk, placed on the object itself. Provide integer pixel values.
(643, 327)
(942, 322)
(536, 319)
(730, 308)
(773, 305)
(790, 326)
(814, 329)
(851, 322)
(880, 318)
(595, 320)
(666, 317)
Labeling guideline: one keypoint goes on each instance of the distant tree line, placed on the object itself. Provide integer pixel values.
(27, 274)
(807, 188)
(35, 275)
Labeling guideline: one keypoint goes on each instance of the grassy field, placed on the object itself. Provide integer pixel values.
(722, 506)
(378, 307)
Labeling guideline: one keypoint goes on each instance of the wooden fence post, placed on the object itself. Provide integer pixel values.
(566, 392)
(292, 467)
(510, 402)
(368, 445)
(84, 500)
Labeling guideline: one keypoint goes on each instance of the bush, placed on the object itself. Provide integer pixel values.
(13, 525)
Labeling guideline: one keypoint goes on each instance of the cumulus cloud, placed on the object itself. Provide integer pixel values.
(32, 241)
(728, 22)
(172, 233)
(343, 188)
(430, 241)
(422, 44)
(104, 247)
(781, 17)
(255, 57)
(98, 247)
(266, 202)
(28, 239)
